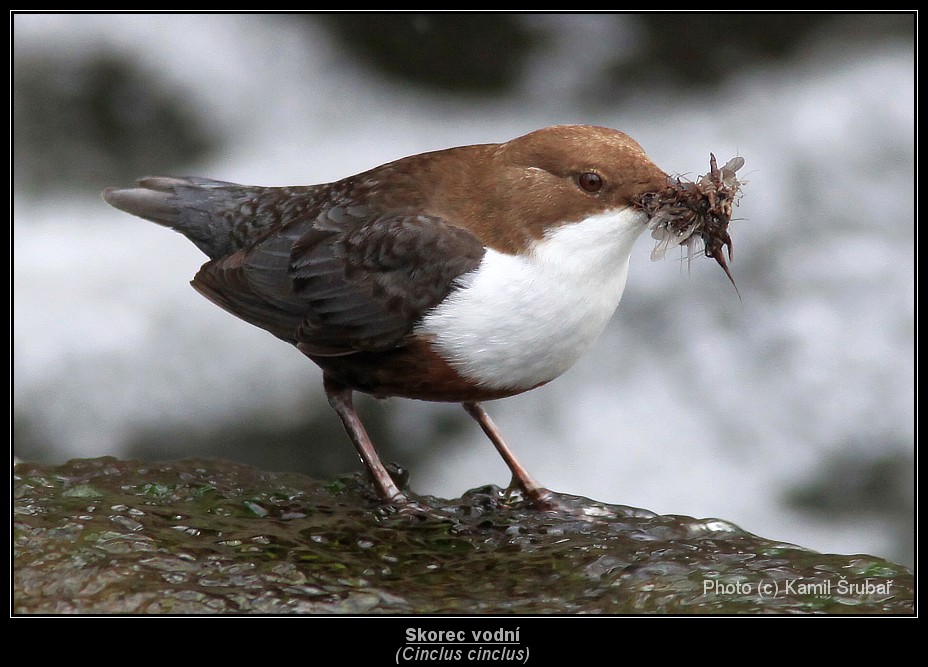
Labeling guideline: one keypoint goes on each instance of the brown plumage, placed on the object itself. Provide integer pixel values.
(349, 271)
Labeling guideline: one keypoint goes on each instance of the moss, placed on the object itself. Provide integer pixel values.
(216, 537)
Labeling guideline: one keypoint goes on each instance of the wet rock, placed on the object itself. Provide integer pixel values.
(196, 536)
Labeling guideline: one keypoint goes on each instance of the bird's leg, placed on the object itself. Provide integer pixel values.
(339, 397)
(539, 495)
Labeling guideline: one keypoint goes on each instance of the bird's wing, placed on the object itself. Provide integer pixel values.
(346, 281)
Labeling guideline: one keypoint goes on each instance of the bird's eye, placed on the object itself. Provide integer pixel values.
(590, 182)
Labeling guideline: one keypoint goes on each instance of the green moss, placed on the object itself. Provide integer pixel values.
(217, 537)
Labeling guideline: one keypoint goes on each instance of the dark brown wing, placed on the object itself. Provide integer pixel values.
(346, 282)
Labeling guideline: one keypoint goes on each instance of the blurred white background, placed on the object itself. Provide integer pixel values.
(790, 413)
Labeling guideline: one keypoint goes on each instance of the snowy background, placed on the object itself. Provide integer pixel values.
(790, 413)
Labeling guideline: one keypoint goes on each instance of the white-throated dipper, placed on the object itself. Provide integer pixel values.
(462, 275)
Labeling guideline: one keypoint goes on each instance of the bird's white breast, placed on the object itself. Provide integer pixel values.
(521, 320)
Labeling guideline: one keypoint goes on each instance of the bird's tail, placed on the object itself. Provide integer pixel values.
(217, 216)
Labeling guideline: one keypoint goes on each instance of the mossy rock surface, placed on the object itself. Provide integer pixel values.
(106, 536)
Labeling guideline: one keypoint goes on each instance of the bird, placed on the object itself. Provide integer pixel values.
(462, 275)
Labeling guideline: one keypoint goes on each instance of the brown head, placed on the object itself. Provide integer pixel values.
(512, 193)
